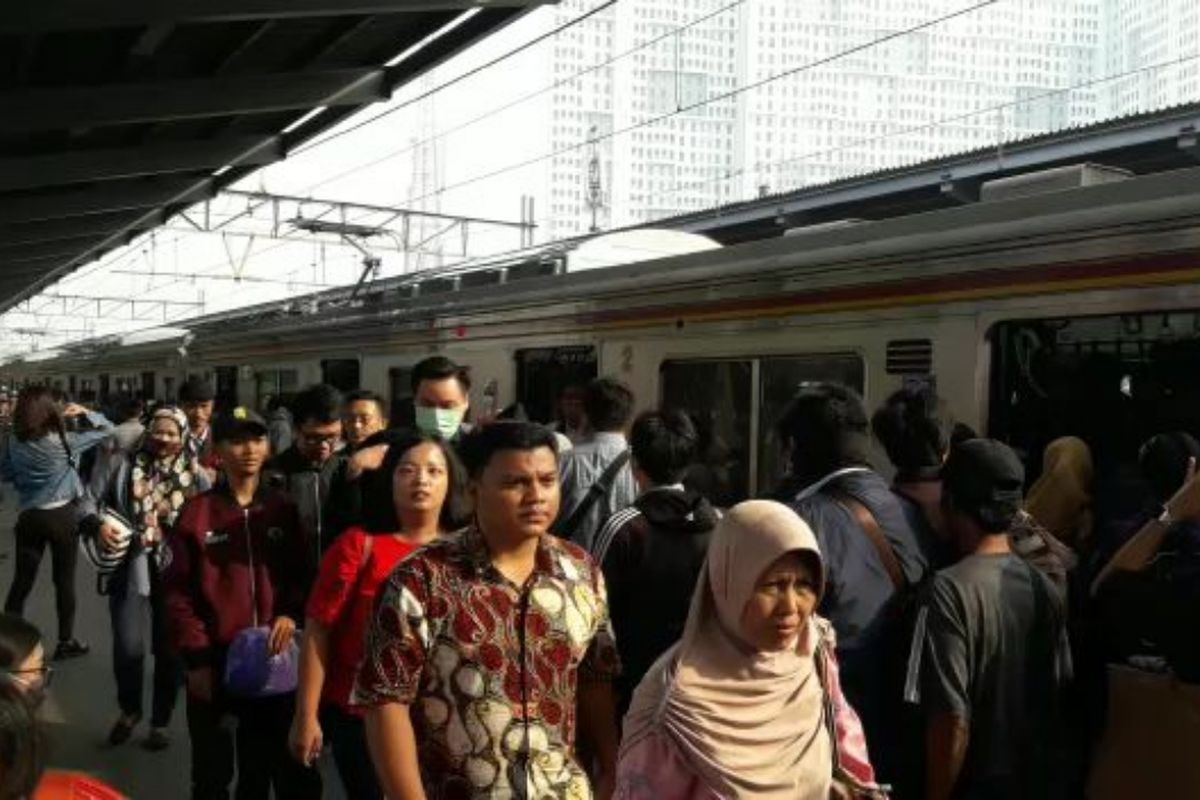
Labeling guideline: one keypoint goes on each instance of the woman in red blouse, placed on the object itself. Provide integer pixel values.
(418, 502)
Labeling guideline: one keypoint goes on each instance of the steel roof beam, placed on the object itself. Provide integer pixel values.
(52, 169)
(65, 248)
(101, 199)
(51, 230)
(27, 110)
(89, 14)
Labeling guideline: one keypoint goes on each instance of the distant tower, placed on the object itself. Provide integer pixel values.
(595, 182)
(424, 190)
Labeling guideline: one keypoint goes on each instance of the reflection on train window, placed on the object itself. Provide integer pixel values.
(341, 373)
(543, 373)
(270, 383)
(719, 395)
(778, 380)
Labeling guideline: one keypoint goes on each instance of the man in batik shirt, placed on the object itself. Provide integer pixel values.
(498, 639)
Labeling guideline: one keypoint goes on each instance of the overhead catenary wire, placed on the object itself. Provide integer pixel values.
(731, 174)
(458, 78)
(727, 95)
(527, 97)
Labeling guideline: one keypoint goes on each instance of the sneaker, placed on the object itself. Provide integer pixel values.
(70, 648)
(123, 728)
(158, 740)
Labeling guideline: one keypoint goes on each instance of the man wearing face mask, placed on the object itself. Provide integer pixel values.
(306, 470)
(442, 396)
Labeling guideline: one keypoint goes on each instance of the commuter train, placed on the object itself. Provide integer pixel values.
(1025, 310)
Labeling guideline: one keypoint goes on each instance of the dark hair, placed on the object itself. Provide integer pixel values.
(984, 480)
(664, 445)
(962, 432)
(914, 427)
(320, 403)
(439, 368)
(365, 396)
(36, 414)
(477, 447)
(608, 404)
(513, 413)
(1163, 460)
(22, 744)
(196, 390)
(379, 508)
(127, 407)
(18, 638)
(826, 426)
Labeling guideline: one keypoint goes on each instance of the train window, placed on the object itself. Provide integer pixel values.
(269, 383)
(227, 386)
(778, 380)
(342, 373)
(717, 396)
(543, 372)
(1113, 380)
(400, 396)
(736, 404)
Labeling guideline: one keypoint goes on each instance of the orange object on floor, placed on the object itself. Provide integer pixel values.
(58, 785)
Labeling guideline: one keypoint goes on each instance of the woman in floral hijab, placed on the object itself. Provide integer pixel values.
(147, 488)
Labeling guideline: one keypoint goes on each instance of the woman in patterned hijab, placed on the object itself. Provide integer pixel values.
(146, 488)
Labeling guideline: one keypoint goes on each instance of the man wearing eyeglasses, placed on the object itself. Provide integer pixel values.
(307, 469)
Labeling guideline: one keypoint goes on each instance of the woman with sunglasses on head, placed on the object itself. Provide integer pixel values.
(145, 489)
(40, 461)
(412, 498)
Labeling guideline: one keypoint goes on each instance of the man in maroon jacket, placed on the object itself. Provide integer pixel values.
(237, 563)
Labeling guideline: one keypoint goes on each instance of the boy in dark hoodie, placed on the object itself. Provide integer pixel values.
(652, 551)
(238, 561)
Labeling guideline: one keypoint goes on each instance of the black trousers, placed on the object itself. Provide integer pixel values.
(35, 530)
(347, 735)
(253, 734)
(131, 614)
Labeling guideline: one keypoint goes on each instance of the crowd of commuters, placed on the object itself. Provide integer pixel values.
(505, 609)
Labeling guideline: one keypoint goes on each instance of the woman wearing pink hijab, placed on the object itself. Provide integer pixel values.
(747, 704)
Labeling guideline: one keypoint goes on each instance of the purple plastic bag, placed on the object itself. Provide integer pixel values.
(251, 672)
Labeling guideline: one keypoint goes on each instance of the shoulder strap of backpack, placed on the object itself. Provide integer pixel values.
(866, 520)
(597, 490)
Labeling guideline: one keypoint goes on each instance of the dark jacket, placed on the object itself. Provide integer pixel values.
(651, 554)
(226, 557)
(309, 487)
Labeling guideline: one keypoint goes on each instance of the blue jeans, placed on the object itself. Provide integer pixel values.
(131, 615)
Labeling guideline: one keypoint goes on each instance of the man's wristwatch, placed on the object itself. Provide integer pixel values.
(1165, 518)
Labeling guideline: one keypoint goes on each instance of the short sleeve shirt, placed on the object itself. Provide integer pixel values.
(490, 669)
(343, 598)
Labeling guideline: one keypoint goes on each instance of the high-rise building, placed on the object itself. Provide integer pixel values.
(690, 104)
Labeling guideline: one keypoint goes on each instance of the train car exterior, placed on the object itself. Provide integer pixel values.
(955, 298)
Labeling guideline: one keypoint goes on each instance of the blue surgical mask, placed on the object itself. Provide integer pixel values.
(443, 422)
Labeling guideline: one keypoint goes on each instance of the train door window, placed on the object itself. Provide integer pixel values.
(148, 391)
(400, 394)
(341, 373)
(72, 387)
(169, 388)
(227, 387)
(103, 393)
(736, 404)
(717, 395)
(779, 378)
(543, 373)
(1112, 380)
(271, 383)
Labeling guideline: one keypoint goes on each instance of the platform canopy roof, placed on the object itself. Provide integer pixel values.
(116, 114)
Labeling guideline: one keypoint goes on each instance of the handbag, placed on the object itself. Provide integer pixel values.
(250, 669)
(106, 558)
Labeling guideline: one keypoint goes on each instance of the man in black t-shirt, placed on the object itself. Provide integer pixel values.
(994, 649)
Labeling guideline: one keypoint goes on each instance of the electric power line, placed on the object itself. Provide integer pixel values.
(708, 101)
(458, 78)
(924, 126)
(526, 98)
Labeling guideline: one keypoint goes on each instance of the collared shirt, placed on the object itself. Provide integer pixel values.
(490, 669)
(581, 468)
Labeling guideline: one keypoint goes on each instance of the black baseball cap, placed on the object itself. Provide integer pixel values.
(196, 390)
(239, 422)
(985, 475)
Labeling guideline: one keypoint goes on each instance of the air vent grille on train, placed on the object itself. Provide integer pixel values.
(910, 357)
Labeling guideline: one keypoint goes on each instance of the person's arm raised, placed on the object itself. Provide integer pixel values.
(1139, 551)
